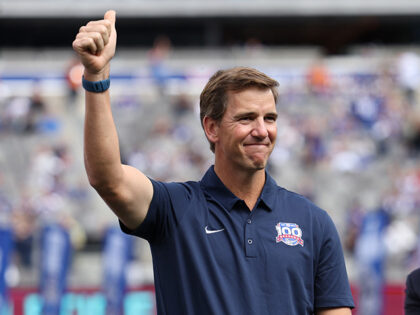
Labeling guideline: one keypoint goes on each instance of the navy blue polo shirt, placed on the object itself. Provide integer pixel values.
(212, 255)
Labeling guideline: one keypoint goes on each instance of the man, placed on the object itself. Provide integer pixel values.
(235, 242)
(412, 293)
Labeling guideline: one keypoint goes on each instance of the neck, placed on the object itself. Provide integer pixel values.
(244, 184)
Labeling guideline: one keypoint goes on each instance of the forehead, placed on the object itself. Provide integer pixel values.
(252, 99)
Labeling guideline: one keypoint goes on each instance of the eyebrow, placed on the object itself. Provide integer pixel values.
(253, 114)
(245, 114)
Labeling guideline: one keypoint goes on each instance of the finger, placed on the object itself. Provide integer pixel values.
(99, 43)
(103, 26)
(100, 29)
(110, 15)
(97, 37)
(85, 44)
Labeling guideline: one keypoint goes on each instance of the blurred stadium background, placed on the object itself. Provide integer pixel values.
(349, 135)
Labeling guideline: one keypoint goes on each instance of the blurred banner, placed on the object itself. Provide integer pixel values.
(6, 244)
(141, 301)
(55, 260)
(116, 255)
(85, 301)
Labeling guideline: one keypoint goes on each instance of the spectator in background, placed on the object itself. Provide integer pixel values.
(37, 110)
(24, 228)
(48, 166)
(353, 224)
(318, 78)
(5, 204)
(314, 146)
(157, 57)
(408, 75)
(253, 47)
(370, 255)
(367, 108)
(4, 91)
(182, 105)
(4, 96)
(16, 114)
(412, 132)
(24, 114)
(74, 74)
(412, 293)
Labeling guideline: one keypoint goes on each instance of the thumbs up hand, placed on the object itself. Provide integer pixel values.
(95, 44)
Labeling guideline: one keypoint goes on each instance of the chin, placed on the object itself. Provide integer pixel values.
(259, 162)
(259, 165)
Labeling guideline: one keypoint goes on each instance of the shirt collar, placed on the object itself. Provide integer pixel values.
(214, 188)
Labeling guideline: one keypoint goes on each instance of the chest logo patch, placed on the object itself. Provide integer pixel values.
(289, 233)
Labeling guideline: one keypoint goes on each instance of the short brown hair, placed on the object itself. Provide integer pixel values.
(214, 97)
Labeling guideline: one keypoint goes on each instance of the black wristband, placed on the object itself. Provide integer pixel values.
(96, 86)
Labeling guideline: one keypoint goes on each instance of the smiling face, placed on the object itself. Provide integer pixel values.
(246, 134)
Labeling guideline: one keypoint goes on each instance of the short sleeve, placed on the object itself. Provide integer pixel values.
(332, 288)
(166, 210)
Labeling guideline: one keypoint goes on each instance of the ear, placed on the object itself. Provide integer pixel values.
(211, 128)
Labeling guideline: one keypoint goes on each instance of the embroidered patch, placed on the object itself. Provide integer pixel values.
(289, 233)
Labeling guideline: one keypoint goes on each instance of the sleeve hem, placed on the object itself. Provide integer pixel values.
(332, 302)
(144, 230)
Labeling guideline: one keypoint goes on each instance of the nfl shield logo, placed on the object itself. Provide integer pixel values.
(289, 233)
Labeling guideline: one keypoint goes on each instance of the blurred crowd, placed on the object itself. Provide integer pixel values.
(350, 142)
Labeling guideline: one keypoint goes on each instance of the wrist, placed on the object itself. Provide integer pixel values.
(99, 86)
(96, 76)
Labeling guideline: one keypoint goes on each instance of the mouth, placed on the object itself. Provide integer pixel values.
(257, 147)
(256, 144)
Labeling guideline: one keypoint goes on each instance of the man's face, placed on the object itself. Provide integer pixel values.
(247, 132)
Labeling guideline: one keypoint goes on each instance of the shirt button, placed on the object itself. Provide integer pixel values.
(249, 221)
(249, 241)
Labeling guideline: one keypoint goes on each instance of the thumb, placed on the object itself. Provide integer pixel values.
(110, 15)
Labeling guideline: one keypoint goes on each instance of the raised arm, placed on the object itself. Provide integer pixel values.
(126, 190)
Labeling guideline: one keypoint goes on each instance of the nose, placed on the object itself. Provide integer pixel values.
(259, 129)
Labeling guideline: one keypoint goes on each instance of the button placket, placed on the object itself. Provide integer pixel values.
(250, 248)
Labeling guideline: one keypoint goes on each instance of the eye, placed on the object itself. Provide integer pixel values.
(271, 118)
(245, 118)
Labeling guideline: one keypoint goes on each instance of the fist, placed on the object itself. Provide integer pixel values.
(95, 44)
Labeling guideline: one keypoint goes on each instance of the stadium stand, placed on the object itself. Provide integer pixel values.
(363, 150)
